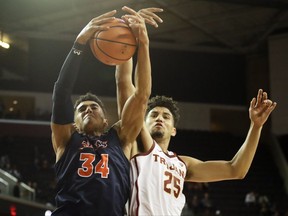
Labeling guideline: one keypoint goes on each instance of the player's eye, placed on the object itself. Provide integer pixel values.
(166, 117)
(82, 109)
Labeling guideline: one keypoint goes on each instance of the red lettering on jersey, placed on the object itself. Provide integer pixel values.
(161, 160)
(155, 157)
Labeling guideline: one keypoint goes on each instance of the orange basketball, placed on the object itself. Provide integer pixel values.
(115, 45)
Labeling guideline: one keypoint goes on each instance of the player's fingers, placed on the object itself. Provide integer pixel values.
(150, 21)
(259, 97)
(153, 9)
(150, 15)
(132, 18)
(271, 108)
(106, 15)
(129, 10)
(266, 104)
(253, 103)
(264, 96)
(99, 22)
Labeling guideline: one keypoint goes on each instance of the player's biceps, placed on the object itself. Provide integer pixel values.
(130, 132)
(133, 114)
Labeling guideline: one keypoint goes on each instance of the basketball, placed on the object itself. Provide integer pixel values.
(115, 45)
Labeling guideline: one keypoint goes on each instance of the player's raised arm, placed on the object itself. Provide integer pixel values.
(259, 111)
(123, 73)
(62, 109)
(134, 109)
(124, 84)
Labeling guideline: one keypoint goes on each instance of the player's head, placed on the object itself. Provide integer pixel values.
(162, 116)
(89, 114)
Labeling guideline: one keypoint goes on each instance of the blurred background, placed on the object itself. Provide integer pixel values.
(211, 56)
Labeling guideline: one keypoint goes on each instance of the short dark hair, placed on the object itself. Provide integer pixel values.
(163, 101)
(89, 97)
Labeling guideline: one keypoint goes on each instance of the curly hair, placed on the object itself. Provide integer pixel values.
(89, 97)
(163, 101)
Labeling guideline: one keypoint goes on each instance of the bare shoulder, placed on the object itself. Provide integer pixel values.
(61, 134)
(191, 165)
(189, 161)
(117, 127)
(125, 144)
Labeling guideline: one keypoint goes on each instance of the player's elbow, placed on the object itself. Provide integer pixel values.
(143, 95)
(238, 172)
(241, 175)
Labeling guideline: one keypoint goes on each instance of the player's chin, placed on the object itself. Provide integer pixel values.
(88, 124)
(157, 134)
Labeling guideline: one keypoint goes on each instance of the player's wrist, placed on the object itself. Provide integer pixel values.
(78, 48)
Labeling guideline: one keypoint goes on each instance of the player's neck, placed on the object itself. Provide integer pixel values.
(164, 144)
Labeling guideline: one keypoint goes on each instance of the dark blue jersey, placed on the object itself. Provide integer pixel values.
(93, 177)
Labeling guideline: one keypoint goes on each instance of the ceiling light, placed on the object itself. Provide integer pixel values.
(4, 45)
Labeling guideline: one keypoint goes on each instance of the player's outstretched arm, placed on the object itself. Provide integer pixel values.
(133, 113)
(260, 109)
(123, 73)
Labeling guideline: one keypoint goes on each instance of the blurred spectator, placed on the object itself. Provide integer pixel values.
(15, 172)
(16, 189)
(263, 199)
(2, 109)
(194, 204)
(250, 198)
(4, 160)
(251, 207)
(206, 205)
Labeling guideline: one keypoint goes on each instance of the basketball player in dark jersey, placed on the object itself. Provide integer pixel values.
(92, 165)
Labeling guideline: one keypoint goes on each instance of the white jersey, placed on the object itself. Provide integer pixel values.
(157, 180)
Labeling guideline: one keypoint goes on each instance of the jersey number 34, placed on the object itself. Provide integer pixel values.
(88, 168)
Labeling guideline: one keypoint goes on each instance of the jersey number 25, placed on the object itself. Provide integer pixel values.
(172, 184)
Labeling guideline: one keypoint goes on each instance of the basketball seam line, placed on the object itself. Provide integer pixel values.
(123, 59)
(115, 41)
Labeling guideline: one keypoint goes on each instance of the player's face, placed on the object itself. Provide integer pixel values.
(160, 123)
(89, 117)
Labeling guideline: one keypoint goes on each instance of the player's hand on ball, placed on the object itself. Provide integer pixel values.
(95, 25)
(137, 24)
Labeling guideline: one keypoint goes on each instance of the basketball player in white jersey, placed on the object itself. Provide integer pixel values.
(157, 174)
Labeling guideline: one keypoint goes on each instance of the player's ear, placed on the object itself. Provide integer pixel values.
(174, 131)
(106, 123)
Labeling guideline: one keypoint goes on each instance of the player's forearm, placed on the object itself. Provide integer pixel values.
(124, 84)
(70, 68)
(62, 109)
(244, 157)
(143, 71)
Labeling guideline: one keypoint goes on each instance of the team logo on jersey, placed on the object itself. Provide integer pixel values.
(86, 144)
(100, 144)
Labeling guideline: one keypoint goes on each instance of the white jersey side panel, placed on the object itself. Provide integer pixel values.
(157, 182)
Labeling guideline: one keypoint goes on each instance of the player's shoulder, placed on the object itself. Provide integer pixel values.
(116, 127)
